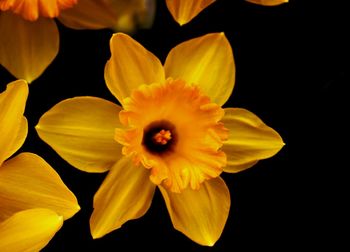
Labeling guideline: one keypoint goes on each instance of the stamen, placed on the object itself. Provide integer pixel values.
(162, 137)
(159, 137)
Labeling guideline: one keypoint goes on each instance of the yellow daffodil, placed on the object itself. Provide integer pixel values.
(183, 11)
(29, 38)
(33, 199)
(268, 2)
(170, 133)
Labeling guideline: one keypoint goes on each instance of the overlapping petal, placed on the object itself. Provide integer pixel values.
(27, 181)
(116, 14)
(29, 230)
(130, 66)
(268, 2)
(19, 138)
(183, 11)
(31, 10)
(200, 214)
(206, 61)
(249, 140)
(92, 14)
(13, 126)
(125, 194)
(81, 130)
(27, 48)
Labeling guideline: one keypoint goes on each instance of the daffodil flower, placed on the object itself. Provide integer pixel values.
(33, 199)
(183, 11)
(29, 38)
(268, 2)
(170, 133)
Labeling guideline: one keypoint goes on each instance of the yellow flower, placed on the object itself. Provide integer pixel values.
(33, 199)
(183, 11)
(268, 2)
(171, 133)
(29, 38)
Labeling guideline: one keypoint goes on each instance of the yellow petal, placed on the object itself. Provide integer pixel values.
(126, 194)
(120, 15)
(29, 230)
(268, 2)
(183, 11)
(130, 66)
(27, 181)
(206, 61)
(13, 125)
(200, 214)
(81, 131)
(92, 14)
(27, 48)
(249, 140)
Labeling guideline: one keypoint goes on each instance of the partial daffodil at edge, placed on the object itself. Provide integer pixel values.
(29, 38)
(183, 11)
(170, 133)
(268, 2)
(33, 199)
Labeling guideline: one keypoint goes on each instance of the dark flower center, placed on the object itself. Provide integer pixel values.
(159, 137)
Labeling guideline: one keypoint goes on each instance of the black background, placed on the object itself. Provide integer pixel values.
(290, 70)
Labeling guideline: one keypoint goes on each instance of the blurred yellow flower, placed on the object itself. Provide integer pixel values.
(33, 199)
(29, 38)
(268, 2)
(171, 133)
(183, 11)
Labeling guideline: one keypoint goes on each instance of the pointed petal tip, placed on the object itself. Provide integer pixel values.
(119, 35)
(184, 11)
(20, 84)
(250, 140)
(31, 182)
(75, 208)
(92, 133)
(123, 196)
(27, 48)
(98, 233)
(200, 215)
(210, 243)
(95, 235)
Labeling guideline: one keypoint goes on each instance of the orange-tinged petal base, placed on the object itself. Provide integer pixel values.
(174, 130)
(32, 9)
